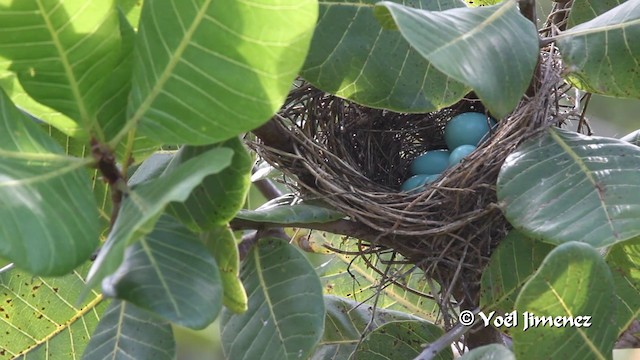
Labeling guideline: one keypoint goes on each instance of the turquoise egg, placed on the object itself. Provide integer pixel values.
(460, 153)
(415, 182)
(469, 128)
(431, 162)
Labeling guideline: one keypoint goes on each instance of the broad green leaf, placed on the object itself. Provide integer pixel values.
(48, 216)
(40, 318)
(585, 10)
(112, 115)
(286, 309)
(127, 332)
(345, 323)
(144, 204)
(207, 71)
(9, 82)
(601, 56)
(291, 214)
(633, 138)
(400, 340)
(352, 56)
(170, 273)
(489, 352)
(492, 49)
(350, 277)
(563, 186)
(62, 52)
(573, 281)
(222, 245)
(216, 201)
(512, 264)
(624, 261)
(151, 168)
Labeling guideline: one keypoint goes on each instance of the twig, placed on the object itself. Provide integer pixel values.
(443, 342)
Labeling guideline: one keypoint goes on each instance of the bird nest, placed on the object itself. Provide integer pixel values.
(354, 159)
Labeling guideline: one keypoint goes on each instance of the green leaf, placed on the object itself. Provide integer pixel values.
(353, 278)
(62, 52)
(132, 9)
(352, 56)
(633, 138)
(563, 186)
(600, 56)
(151, 168)
(512, 264)
(400, 340)
(345, 323)
(126, 332)
(217, 200)
(286, 309)
(144, 204)
(476, 3)
(222, 245)
(234, 61)
(48, 215)
(573, 281)
(456, 42)
(40, 318)
(10, 83)
(624, 261)
(291, 214)
(170, 273)
(489, 352)
(585, 10)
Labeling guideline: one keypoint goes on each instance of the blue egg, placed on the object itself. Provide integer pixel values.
(469, 128)
(431, 162)
(413, 182)
(416, 182)
(460, 153)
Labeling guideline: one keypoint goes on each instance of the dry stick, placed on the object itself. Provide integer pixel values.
(443, 342)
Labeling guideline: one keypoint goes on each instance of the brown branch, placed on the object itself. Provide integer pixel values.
(106, 165)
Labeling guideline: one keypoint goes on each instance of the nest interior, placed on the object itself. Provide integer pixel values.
(354, 159)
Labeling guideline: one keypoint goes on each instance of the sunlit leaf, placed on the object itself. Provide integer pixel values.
(345, 323)
(400, 340)
(573, 281)
(492, 49)
(601, 56)
(40, 318)
(132, 9)
(562, 186)
(62, 52)
(286, 311)
(352, 56)
(10, 84)
(126, 332)
(48, 215)
(353, 278)
(624, 261)
(207, 71)
(145, 203)
(170, 273)
(222, 245)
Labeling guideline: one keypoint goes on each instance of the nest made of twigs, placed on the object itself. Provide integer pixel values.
(354, 159)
